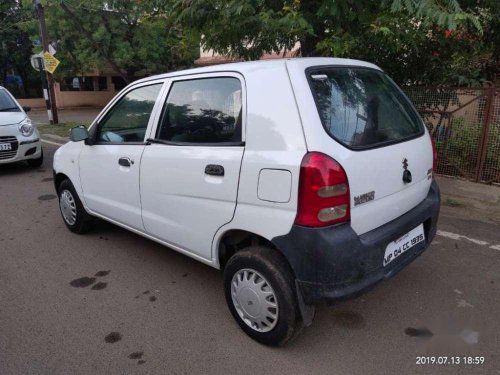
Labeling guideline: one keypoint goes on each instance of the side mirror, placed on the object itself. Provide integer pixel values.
(26, 108)
(79, 133)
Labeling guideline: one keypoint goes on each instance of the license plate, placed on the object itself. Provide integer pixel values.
(5, 147)
(403, 244)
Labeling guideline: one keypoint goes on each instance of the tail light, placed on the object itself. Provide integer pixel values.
(323, 192)
(434, 153)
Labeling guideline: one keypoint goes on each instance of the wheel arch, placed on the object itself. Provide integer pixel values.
(233, 240)
(58, 179)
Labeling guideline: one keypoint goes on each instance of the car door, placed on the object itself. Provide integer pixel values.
(109, 166)
(190, 170)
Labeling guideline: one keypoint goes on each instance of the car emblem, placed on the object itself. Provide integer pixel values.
(406, 173)
(363, 198)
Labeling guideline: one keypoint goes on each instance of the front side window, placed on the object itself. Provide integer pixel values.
(362, 108)
(128, 120)
(6, 103)
(204, 110)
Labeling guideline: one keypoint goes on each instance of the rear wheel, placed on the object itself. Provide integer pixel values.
(74, 215)
(260, 293)
(35, 163)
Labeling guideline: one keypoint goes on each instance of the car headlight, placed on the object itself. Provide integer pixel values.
(26, 127)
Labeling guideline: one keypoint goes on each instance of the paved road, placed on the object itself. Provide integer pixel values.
(164, 313)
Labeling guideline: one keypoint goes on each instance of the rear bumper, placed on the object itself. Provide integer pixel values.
(334, 263)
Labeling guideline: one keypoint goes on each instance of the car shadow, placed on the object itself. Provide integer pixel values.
(148, 249)
(17, 168)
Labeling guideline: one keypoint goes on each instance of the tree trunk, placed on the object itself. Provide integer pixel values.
(309, 42)
(307, 46)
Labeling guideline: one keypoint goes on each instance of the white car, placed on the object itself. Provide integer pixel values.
(19, 139)
(305, 180)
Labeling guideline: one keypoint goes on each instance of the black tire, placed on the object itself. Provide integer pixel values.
(277, 272)
(36, 163)
(83, 221)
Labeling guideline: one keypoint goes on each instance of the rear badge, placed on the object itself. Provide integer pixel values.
(406, 173)
(363, 198)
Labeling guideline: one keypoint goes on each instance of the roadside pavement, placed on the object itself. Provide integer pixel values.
(470, 200)
(82, 116)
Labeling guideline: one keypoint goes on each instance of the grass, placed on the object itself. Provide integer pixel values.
(62, 129)
(452, 203)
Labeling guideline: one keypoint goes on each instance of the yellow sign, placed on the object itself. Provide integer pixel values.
(50, 62)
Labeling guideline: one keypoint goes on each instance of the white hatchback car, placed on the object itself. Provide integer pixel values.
(19, 139)
(305, 180)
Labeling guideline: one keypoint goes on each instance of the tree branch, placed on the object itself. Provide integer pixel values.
(96, 44)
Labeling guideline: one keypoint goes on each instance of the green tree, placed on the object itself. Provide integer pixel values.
(16, 48)
(126, 35)
(416, 41)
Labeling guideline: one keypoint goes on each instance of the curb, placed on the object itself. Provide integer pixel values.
(55, 137)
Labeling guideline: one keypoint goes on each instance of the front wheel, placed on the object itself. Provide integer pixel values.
(74, 215)
(260, 293)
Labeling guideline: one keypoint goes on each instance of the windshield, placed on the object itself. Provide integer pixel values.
(362, 108)
(6, 102)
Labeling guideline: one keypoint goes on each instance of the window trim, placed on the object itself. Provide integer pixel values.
(196, 77)
(210, 144)
(310, 70)
(96, 125)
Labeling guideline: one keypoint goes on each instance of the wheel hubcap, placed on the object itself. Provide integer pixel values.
(68, 207)
(254, 300)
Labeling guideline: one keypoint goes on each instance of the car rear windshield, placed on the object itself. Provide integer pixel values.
(362, 107)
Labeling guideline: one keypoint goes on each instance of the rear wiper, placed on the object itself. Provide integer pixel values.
(8, 109)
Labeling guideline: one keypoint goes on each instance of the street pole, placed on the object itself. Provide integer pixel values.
(48, 92)
(39, 61)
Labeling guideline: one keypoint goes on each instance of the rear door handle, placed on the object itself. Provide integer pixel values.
(125, 162)
(214, 170)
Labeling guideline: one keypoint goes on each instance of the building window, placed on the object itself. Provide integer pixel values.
(102, 83)
(77, 84)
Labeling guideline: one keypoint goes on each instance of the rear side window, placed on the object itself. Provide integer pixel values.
(362, 108)
(204, 110)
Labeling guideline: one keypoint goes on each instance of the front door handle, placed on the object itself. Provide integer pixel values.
(214, 170)
(125, 162)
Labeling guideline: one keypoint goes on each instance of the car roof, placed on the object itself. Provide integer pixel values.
(247, 66)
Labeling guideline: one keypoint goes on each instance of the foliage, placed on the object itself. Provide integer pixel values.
(126, 36)
(244, 28)
(15, 48)
(415, 41)
(463, 147)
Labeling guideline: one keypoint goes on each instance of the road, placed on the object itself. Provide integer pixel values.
(151, 310)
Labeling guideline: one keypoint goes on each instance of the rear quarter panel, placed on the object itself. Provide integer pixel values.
(274, 139)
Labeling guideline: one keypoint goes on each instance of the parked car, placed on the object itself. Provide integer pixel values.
(19, 139)
(306, 180)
